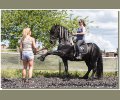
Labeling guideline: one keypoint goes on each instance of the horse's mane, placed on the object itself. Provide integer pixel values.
(58, 25)
(62, 33)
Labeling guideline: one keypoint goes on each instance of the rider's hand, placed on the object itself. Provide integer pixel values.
(37, 50)
(74, 34)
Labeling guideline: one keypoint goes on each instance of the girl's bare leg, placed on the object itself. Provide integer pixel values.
(30, 72)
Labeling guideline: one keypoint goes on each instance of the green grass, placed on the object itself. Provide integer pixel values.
(8, 50)
(17, 73)
(11, 73)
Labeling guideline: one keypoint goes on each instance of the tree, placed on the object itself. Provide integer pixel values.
(40, 22)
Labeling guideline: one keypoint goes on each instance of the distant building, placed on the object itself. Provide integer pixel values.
(109, 54)
(3, 46)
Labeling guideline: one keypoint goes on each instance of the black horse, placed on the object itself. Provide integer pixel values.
(93, 58)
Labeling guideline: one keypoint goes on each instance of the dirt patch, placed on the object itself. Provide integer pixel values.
(60, 83)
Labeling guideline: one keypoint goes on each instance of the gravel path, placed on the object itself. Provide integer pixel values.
(60, 83)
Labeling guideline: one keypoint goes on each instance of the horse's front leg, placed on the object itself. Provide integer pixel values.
(42, 57)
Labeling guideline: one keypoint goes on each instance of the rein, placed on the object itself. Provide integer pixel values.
(63, 34)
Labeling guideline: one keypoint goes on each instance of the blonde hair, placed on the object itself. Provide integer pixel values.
(26, 31)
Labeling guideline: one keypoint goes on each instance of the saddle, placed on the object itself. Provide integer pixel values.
(83, 49)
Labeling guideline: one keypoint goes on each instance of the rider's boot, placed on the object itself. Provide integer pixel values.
(79, 56)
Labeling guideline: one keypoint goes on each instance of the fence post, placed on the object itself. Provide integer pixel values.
(60, 64)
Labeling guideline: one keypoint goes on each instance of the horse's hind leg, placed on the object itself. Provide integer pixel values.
(89, 69)
(94, 71)
(87, 74)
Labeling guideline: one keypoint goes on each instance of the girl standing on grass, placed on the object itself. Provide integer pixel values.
(27, 45)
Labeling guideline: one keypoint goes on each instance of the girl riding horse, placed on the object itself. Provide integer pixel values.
(93, 58)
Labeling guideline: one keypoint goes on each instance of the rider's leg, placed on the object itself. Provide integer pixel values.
(76, 49)
(79, 42)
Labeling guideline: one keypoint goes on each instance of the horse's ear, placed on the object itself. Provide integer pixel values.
(55, 24)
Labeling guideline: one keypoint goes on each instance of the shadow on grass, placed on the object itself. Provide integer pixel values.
(62, 75)
(17, 73)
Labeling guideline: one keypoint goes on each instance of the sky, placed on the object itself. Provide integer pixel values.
(104, 30)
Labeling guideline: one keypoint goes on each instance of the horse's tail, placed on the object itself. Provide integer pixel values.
(100, 66)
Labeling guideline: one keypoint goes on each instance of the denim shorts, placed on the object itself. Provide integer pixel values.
(27, 55)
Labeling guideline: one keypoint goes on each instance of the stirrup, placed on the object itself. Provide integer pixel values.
(79, 56)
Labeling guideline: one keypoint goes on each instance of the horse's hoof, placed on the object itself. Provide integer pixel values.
(41, 58)
(80, 77)
(85, 77)
(90, 79)
(99, 78)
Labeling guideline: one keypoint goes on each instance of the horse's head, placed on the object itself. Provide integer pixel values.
(60, 33)
(54, 34)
